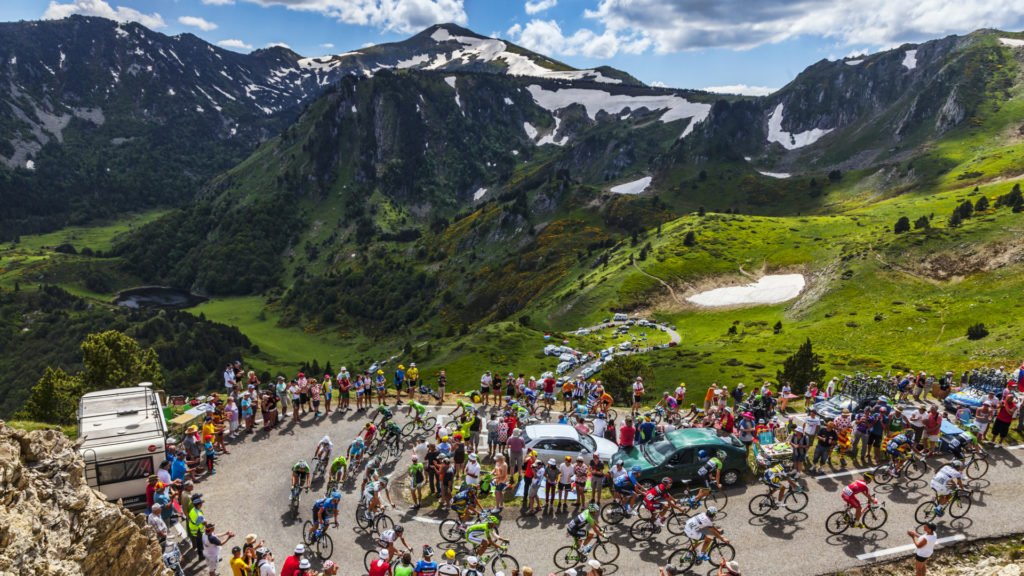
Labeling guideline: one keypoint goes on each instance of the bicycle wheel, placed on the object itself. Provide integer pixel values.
(977, 468)
(882, 474)
(324, 546)
(605, 552)
(368, 557)
(874, 518)
(566, 557)
(306, 529)
(613, 513)
(504, 563)
(721, 551)
(409, 428)
(429, 423)
(837, 522)
(384, 523)
(642, 530)
(718, 499)
(452, 427)
(682, 560)
(760, 505)
(960, 506)
(450, 531)
(925, 512)
(676, 523)
(612, 414)
(796, 501)
(915, 469)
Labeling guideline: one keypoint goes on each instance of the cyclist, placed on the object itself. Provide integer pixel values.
(372, 492)
(369, 432)
(448, 567)
(462, 407)
(627, 485)
(898, 446)
(417, 410)
(371, 474)
(702, 528)
(324, 449)
(656, 499)
(339, 469)
(850, 493)
(484, 535)
(710, 473)
(584, 526)
(465, 503)
(774, 476)
(356, 449)
(300, 476)
(323, 510)
(388, 537)
(385, 414)
(956, 444)
(391, 432)
(947, 476)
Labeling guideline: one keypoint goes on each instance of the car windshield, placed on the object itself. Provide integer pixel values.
(588, 443)
(657, 452)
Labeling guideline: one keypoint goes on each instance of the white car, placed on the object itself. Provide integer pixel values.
(560, 440)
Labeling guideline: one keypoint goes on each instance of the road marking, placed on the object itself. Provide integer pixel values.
(838, 474)
(1017, 447)
(907, 548)
(426, 520)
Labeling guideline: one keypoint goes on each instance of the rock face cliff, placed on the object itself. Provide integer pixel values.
(52, 523)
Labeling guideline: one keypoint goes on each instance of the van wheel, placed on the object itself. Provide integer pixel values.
(730, 477)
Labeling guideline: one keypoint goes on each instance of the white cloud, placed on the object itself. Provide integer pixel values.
(219, 2)
(327, 45)
(278, 45)
(234, 44)
(368, 44)
(546, 37)
(404, 16)
(196, 22)
(673, 25)
(535, 6)
(56, 11)
(743, 89)
(659, 84)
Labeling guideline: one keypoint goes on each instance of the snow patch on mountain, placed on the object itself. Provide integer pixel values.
(634, 187)
(531, 132)
(854, 62)
(479, 194)
(779, 175)
(910, 59)
(508, 101)
(789, 140)
(416, 60)
(1011, 42)
(550, 138)
(676, 107)
(450, 80)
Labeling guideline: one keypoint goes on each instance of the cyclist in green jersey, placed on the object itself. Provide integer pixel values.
(462, 407)
(416, 409)
(584, 526)
(339, 469)
(484, 535)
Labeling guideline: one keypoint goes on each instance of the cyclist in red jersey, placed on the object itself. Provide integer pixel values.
(850, 493)
(658, 502)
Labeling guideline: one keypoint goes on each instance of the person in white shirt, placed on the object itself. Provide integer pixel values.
(812, 423)
(156, 521)
(212, 543)
(565, 472)
(472, 471)
(229, 380)
(925, 544)
(265, 562)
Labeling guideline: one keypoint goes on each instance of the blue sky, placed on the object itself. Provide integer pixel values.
(743, 44)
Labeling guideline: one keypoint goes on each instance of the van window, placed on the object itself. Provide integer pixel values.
(124, 470)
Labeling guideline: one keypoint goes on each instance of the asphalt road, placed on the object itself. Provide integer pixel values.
(249, 493)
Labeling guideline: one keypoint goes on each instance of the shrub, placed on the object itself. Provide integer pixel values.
(902, 225)
(977, 332)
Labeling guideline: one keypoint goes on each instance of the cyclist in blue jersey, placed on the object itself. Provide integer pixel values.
(324, 510)
(626, 485)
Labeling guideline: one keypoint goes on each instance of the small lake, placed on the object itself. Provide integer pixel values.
(157, 297)
(767, 290)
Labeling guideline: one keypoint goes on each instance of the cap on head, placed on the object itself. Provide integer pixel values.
(305, 565)
(300, 550)
(384, 554)
(593, 564)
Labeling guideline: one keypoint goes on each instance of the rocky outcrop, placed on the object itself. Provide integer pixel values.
(53, 523)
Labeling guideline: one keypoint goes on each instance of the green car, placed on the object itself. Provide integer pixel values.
(675, 456)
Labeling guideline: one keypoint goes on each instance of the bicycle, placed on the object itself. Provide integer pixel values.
(571, 556)
(913, 469)
(614, 512)
(500, 559)
(976, 464)
(319, 540)
(795, 500)
(376, 523)
(645, 528)
(293, 500)
(321, 467)
(332, 485)
(453, 530)
(717, 498)
(958, 506)
(873, 518)
(685, 558)
(426, 424)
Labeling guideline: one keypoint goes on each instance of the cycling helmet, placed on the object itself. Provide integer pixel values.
(399, 528)
(593, 508)
(302, 464)
(335, 495)
(869, 477)
(956, 464)
(385, 479)
(721, 454)
(493, 520)
(712, 511)
(368, 424)
(666, 481)
(702, 454)
(449, 554)
(427, 550)
(635, 468)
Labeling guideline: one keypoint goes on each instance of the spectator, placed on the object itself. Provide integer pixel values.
(916, 421)
(239, 566)
(416, 480)
(492, 436)
(646, 431)
(925, 544)
(580, 472)
(1001, 429)
(745, 430)
(265, 563)
(473, 471)
(861, 429)
(800, 442)
(982, 418)
(500, 481)
(627, 434)
(709, 396)
(380, 566)
(827, 438)
(812, 423)
(531, 485)
(430, 463)
(565, 472)
(516, 447)
(212, 543)
(598, 471)
(156, 522)
(932, 428)
(291, 563)
(737, 395)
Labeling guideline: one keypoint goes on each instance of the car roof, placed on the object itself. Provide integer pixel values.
(535, 431)
(693, 436)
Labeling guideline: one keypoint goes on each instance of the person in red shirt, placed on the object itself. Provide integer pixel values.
(380, 566)
(626, 434)
(291, 563)
(549, 391)
(727, 422)
(1001, 429)
(369, 432)
(850, 493)
(150, 490)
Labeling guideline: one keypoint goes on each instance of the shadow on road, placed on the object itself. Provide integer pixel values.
(783, 528)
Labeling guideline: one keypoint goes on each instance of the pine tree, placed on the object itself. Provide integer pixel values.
(778, 327)
(981, 205)
(113, 359)
(922, 223)
(955, 220)
(690, 239)
(902, 225)
(802, 368)
(53, 399)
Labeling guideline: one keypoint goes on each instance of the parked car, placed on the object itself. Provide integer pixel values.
(830, 408)
(675, 455)
(626, 346)
(971, 397)
(560, 440)
(620, 317)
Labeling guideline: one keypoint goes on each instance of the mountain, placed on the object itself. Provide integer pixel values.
(141, 119)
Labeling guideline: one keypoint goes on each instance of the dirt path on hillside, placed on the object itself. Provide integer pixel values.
(662, 282)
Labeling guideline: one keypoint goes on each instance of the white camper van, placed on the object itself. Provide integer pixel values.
(121, 434)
